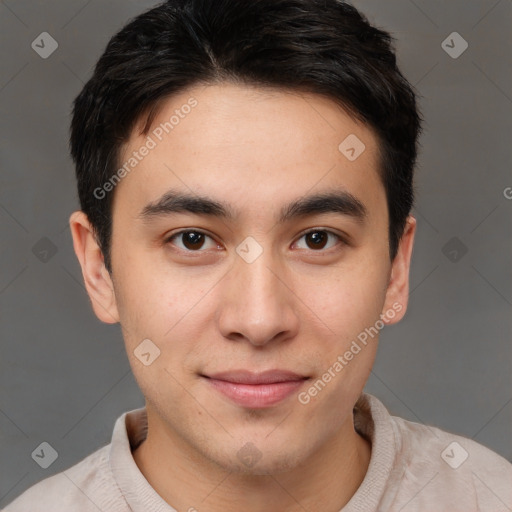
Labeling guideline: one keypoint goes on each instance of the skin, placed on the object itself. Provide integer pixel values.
(296, 307)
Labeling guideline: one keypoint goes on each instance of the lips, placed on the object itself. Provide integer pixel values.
(255, 390)
(247, 377)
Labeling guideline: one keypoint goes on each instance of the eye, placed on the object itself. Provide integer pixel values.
(192, 240)
(317, 239)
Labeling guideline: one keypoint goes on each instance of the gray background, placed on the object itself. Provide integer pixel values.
(64, 375)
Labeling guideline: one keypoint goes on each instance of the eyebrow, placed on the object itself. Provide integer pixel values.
(337, 201)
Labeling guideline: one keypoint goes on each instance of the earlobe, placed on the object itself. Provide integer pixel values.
(96, 277)
(397, 293)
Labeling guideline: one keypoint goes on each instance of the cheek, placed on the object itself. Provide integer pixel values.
(348, 297)
(145, 303)
(169, 308)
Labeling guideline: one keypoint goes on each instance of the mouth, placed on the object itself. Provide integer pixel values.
(256, 390)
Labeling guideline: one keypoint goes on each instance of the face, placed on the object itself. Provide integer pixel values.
(227, 291)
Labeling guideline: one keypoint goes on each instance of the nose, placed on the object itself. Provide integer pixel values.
(258, 304)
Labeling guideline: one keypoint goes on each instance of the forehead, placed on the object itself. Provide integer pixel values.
(252, 146)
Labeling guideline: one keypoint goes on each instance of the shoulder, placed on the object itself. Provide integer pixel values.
(86, 486)
(445, 471)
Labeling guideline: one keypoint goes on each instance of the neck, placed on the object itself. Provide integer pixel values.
(326, 481)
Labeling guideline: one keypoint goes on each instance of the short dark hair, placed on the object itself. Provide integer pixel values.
(325, 47)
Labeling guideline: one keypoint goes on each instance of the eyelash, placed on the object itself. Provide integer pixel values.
(314, 230)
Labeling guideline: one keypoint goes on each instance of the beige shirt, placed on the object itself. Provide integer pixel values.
(413, 467)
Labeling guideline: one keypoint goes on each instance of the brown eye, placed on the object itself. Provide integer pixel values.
(191, 240)
(318, 239)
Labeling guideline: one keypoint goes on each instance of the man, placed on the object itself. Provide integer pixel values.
(245, 175)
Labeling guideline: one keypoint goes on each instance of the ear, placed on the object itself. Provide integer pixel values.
(96, 277)
(397, 293)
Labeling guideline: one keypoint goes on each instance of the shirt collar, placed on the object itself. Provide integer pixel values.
(371, 420)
